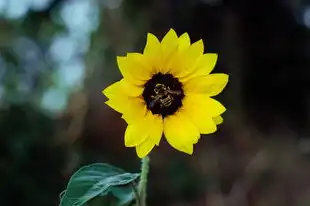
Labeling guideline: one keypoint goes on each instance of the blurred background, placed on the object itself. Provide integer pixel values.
(57, 55)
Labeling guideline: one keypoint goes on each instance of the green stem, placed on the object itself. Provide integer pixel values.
(143, 180)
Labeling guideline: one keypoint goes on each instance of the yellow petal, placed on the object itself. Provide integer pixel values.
(132, 71)
(170, 37)
(218, 120)
(134, 110)
(124, 97)
(184, 42)
(188, 59)
(152, 52)
(145, 148)
(135, 135)
(210, 85)
(169, 47)
(204, 66)
(199, 114)
(150, 126)
(131, 108)
(116, 104)
(113, 90)
(211, 107)
(180, 132)
(130, 89)
(123, 88)
(196, 49)
(156, 128)
(144, 63)
(152, 46)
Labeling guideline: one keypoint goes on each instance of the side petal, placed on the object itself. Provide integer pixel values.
(199, 114)
(156, 128)
(130, 89)
(152, 52)
(139, 130)
(210, 85)
(132, 71)
(169, 48)
(124, 97)
(180, 132)
(211, 107)
(122, 88)
(134, 111)
(117, 105)
(169, 38)
(113, 90)
(152, 46)
(204, 66)
(144, 63)
(218, 120)
(145, 148)
(144, 134)
(153, 125)
(135, 134)
(188, 59)
(184, 42)
(196, 49)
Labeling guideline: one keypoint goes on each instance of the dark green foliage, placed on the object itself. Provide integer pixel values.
(99, 180)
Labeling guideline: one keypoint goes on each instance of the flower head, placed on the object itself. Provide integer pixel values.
(166, 91)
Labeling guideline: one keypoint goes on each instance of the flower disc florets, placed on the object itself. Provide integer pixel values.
(163, 94)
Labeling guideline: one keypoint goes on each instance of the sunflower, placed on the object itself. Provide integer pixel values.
(166, 91)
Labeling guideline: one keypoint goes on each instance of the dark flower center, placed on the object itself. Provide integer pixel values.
(163, 94)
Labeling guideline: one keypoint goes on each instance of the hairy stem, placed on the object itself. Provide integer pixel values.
(143, 180)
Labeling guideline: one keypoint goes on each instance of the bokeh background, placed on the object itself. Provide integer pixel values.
(57, 55)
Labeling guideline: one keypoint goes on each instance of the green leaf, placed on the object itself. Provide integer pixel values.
(97, 180)
(123, 194)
